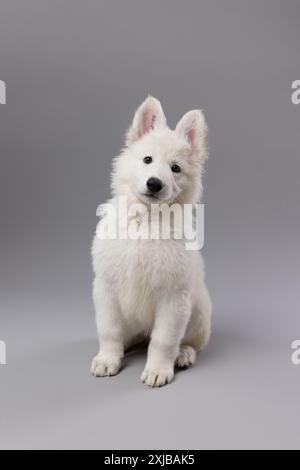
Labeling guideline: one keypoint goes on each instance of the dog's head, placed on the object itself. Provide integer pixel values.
(160, 165)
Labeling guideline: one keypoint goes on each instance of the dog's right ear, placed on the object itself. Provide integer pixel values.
(148, 116)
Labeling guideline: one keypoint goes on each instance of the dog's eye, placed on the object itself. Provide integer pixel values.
(148, 160)
(175, 168)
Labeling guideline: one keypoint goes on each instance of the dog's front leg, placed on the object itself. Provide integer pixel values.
(169, 327)
(110, 331)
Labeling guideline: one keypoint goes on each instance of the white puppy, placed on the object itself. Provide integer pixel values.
(153, 288)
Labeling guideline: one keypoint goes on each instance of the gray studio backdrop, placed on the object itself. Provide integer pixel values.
(75, 71)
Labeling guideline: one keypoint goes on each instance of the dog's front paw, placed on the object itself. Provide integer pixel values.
(157, 377)
(186, 356)
(105, 365)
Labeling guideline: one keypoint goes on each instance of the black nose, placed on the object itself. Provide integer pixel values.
(154, 185)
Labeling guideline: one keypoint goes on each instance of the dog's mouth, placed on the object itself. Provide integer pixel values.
(154, 198)
(151, 196)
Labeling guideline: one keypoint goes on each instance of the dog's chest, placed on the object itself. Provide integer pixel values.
(139, 271)
(147, 270)
(156, 263)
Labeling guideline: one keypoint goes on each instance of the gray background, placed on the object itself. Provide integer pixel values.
(75, 72)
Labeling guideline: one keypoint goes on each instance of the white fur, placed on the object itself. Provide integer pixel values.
(153, 289)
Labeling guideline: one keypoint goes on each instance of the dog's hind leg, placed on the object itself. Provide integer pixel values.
(198, 330)
(186, 357)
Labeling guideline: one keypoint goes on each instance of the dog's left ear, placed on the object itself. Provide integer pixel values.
(192, 127)
(147, 117)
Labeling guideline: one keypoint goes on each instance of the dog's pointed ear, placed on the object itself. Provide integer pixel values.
(192, 127)
(147, 117)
